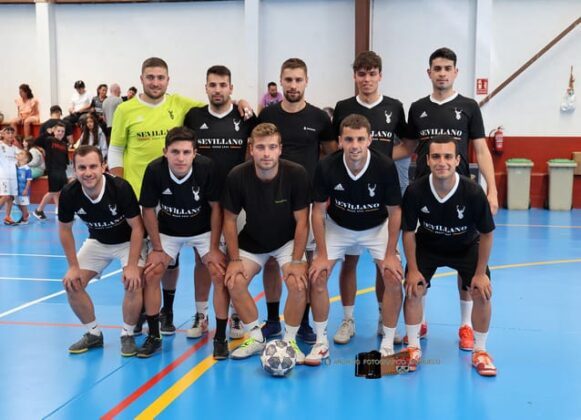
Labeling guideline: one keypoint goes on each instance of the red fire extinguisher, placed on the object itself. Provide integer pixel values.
(497, 140)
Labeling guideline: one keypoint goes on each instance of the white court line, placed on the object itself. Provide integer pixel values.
(538, 226)
(28, 279)
(32, 255)
(42, 299)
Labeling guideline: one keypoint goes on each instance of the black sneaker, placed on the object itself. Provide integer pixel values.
(151, 346)
(306, 334)
(166, 326)
(271, 329)
(39, 214)
(221, 351)
(87, 341)
(128, 347)
(138, 330)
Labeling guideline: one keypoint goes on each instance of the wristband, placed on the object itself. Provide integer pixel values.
(235, 259)
(297, 261)
(157, 250)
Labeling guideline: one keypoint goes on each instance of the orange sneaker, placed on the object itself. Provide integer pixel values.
(482, 362)
(415, 355)
(466, 335)
(9, 222)
(423, 333)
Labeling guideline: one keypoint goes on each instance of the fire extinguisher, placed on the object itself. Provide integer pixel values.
(497, 139)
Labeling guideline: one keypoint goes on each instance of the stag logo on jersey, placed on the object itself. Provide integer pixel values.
(371, 189)
(460, 211)
(458, 113)
(387, 117)
(113, 210)
(196, 192)
(170, 112)
(237, 124)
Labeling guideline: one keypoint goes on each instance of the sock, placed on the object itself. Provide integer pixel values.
(202, 308)
(273, 310)
(305, 320)
(466, 312)
(153, 324)
(168, 296)
(348, 312)
(290, 332)
(388, 336)
(321, 331)
(256, 331)
(424, 309)
(480, 341)
(220, 329)
(413, 332)
(93, 328)
(127, 329)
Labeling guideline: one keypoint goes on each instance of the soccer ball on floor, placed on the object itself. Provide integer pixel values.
(278, 358)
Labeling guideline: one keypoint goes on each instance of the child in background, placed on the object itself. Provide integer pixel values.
(36, 165)
(8, 187)
(24, 179)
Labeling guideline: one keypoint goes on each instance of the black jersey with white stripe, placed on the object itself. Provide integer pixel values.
(184, 208)
(457, 116)
(106, 216)
(448, 224)
(357, 202)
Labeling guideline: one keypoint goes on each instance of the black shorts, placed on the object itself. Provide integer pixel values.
(56, 181)
(465, 263)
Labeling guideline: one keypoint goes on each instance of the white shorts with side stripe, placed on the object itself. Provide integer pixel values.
(96, 256)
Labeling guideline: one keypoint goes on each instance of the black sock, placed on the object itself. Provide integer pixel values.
(273, 309)
(305, 320)
(168, 296)
(153, 324)
(221, 329)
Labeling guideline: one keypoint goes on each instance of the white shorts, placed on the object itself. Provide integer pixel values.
(341, 240)
(283, 255)
(96, 256)
(173, 244)
(8, 186)
(22, 200)
(311, 244)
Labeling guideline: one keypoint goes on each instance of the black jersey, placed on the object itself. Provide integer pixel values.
(269, 205)
(222, 138)
(56, 153)
(357, 202)
(386, 117)
(458, 117)
(301, 133)
(106, 217)
(184, 208)
(450, 224)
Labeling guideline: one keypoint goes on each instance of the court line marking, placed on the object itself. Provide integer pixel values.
(538, 226)
(29, 279)
(182, 384)
(31, 255)
(47, 297)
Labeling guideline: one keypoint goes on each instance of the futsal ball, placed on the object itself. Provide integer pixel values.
(278, 358)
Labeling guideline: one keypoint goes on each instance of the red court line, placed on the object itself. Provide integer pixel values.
(159, 376)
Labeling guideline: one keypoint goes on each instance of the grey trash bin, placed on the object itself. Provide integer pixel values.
(561, 183)
(519, 183)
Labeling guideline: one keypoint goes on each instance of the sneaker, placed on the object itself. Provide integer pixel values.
(151, 346)
(166, 326)
(199, 327)
(319, 352)
(423, 333)
(221, 350)
(298, 352)
(138, 330)
(415, 358)
(9, 222)
(306, 334)
(250, 347)
(466, 336)
(396, 338)
(236, 327)
(128, 347)
(386, 351)
(482, 362)
(23, 221)
(271, 329)
(345, 332)
(39, 214)
(87, 341)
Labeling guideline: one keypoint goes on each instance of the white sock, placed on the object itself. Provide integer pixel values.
(255, 331)
(424, 309)
(480, 341)
(321, 331)
(466, 312)
(388, 336)
(93, 328)
(290, 332)
(127, 329)
(413, 332)
(202, 308)
(348, 312)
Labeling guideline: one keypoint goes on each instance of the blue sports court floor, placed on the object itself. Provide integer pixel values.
(535, 339)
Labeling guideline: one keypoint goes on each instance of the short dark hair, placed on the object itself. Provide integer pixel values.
(28, 155)
(367, 60)
(9, 128)
(84, 150)
(265, 130)
(79, 84)
(443, 140)
(445, 53)
(59, 124)
(293, 63)
(355, 121)
(271, 84)
(56, 108)
(100, 86)
(133, 89)
(220, 71)
(153, 62)
(181, 134)
(26, 89)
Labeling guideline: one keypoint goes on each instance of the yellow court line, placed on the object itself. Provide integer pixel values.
(173, 392)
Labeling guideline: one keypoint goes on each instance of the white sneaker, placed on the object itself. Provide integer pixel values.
(250, 347)
(345, 331)
(199, 327)
(397, 339)
(319, 352)
(236, 327)
(299, 354)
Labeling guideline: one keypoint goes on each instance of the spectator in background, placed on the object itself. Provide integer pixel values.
(93, 135)
(109, 106)
(97, 102)
(28, 113)
(56, 114)
(36, 164)
(271, 97)
(131, 92)
(80, 103)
